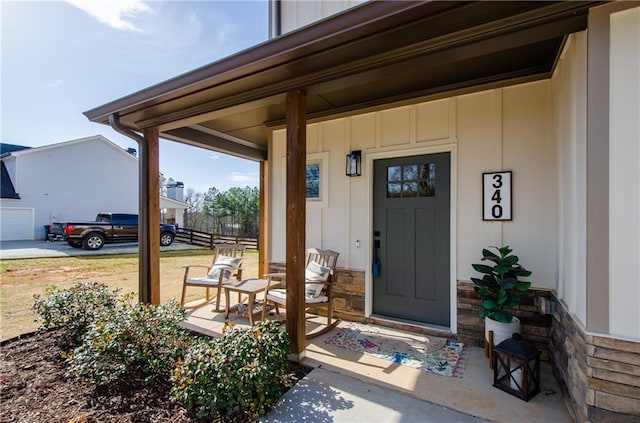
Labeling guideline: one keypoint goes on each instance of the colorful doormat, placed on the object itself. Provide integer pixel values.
(435, 355)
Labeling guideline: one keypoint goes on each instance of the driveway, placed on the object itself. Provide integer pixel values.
(41, 248)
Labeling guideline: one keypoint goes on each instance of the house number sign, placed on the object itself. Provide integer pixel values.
(496, 196)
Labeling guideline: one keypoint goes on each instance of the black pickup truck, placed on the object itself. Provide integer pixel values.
(108, 227)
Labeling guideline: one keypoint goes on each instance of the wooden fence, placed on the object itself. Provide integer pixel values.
(207, 239)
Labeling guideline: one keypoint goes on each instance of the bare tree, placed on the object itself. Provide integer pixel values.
(193, 215)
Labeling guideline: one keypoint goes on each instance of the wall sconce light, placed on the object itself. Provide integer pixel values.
(354, 163)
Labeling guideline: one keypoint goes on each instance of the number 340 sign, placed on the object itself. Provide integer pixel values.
(496, 196)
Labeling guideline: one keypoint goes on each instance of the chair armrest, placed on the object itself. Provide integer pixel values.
(192, 266)
(274, 280)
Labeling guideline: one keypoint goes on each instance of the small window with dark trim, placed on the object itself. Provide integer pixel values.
(411, 180)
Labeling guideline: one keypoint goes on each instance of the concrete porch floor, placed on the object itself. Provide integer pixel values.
(471, 393)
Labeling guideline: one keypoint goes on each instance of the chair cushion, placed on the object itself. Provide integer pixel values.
(317, 273)
(206, 281)
(280, 296)
(222, 264)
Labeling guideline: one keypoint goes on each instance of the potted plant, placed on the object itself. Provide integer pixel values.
(500, 289)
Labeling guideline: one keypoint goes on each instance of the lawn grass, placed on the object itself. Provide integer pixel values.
(23, 278)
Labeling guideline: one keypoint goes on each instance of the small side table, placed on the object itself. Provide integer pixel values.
(251, 287)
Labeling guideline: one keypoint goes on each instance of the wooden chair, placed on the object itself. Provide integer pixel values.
(226, 266)
(320, 268)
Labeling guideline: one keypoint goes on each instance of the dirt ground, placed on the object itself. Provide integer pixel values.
(33, 388)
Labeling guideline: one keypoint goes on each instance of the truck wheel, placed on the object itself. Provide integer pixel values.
(166, 238)
(93, 241)
(75, 244)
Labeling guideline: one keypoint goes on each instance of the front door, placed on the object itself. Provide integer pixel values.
(411, 223)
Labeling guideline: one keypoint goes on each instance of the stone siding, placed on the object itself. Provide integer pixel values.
(535, 327)
(600, 376)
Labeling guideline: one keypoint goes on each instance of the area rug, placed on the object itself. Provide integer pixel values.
(436, 355)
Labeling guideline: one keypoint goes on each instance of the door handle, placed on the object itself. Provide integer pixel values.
(375, 266)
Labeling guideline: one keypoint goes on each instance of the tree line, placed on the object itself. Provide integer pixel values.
(233, 212)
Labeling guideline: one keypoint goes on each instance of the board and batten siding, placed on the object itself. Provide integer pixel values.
(75, 181)
(295, 14)
(624, 174)
(569, 102)
(501, 129)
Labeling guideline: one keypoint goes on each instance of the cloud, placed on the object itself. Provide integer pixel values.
(113, 12)
(214, 156)
(243, 177)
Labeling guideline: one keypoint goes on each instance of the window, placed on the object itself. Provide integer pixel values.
(313, 181)
(317, 179)
(412, 180)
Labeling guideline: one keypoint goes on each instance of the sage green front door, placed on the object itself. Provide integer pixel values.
(411, 222)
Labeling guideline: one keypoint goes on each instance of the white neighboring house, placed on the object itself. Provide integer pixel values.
(72, 180)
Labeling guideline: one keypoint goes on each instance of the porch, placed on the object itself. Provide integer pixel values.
(470, 392)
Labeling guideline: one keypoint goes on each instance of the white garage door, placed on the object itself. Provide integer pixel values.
(16, 224)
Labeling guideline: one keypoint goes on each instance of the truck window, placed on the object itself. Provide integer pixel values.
(103, 218)
(126, 219)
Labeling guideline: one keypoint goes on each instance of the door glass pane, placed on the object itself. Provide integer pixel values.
(410, 172)
(393, 190)
(394, 173)
(427, 188)
(410, 189)
(424, 171)
(427, 180)
(413, 180)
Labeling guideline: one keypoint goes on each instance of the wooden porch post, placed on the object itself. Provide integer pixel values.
(263, 223)
(296, 214)
(149, 219)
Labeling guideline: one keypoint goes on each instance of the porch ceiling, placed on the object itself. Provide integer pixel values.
(376, 54)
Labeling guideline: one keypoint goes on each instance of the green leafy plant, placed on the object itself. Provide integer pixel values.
(73, 309)
(500, 287)
(237, 376)
(134, 342)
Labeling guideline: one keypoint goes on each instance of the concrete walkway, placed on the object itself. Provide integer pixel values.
(326, 396)
(41, 248)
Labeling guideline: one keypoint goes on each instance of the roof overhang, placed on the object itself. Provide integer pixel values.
(366, 58)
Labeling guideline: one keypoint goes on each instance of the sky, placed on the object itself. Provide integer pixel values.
(62, 58)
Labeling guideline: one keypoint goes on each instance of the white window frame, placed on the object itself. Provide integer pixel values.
(322, 159)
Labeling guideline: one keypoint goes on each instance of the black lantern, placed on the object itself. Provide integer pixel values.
(516, 367)
(353, 163)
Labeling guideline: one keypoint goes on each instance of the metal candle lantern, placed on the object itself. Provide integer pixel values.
(516, 367)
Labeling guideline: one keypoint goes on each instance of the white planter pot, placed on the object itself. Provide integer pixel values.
(501, 331)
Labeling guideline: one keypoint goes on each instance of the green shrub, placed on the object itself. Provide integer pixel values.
(73, 309)
(242, 372)
(134, 342)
